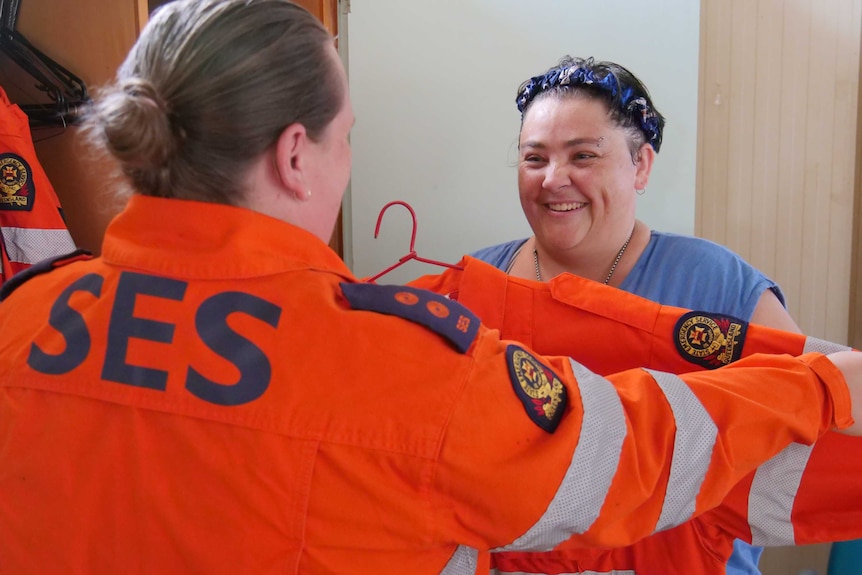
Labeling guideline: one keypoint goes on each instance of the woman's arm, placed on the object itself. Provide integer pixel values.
(771, 313)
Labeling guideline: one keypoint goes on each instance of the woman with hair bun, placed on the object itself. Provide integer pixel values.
(217, 393)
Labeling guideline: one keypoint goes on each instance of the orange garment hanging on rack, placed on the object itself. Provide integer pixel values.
(32, 227)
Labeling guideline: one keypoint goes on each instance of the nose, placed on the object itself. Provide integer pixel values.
(556, 177)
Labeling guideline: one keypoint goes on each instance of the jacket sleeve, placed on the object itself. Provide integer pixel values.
(631, 454)
(32, 227)
(791, 499)
(805, 494)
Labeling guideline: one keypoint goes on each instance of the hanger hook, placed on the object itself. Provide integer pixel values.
(412, 215)
(411, 255)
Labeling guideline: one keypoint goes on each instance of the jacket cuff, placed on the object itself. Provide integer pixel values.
(834, 381)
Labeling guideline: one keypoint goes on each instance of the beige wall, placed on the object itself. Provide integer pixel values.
(440, 132)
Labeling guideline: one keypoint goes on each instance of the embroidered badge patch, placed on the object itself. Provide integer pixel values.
(17, 191)
(445, 317)
(710, 340)
(538, 388)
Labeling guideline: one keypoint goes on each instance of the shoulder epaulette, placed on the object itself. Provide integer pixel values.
(39, 268)
(443, 316)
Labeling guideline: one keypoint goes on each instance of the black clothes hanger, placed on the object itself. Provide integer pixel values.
(66, 93)
(411, 255)
(9, 13)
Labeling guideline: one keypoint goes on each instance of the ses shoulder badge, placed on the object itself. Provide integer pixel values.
(17, 191)
(710, 340)
(538, 388)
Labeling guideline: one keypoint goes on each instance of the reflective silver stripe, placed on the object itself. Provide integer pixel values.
(822, 346)
(773, 492)
(594, 464)
(776, 482)
(465, 561)
(694, 443)
(31, 245)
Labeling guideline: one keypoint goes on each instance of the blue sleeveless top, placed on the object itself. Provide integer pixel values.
(678, 270)
(692, 273)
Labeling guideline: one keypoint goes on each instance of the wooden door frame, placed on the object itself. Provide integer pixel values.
(854, 335)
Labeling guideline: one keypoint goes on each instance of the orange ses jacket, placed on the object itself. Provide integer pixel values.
(217, 394)
(806, 494)
(31, 222)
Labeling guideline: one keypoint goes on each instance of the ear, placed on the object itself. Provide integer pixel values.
(644, 161)
(290, 151)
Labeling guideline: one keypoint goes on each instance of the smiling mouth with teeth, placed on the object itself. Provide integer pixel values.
(567, 207)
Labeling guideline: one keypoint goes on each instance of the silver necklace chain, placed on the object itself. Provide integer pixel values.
(610, 273)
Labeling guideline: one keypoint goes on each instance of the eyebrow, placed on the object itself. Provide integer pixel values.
(568, 144)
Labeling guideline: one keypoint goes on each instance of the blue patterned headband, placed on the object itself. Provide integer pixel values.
(635, 107)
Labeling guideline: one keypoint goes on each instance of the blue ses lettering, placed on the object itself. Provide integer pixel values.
(211, 324)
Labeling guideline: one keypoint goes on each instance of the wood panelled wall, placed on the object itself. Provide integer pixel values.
(778, 143)
(777, 146)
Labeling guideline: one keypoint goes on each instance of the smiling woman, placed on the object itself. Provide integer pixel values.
(589, 136)
(773, 141)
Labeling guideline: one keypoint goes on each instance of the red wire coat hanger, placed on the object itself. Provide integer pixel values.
(411, 255)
